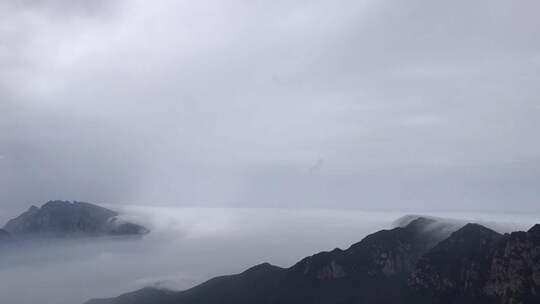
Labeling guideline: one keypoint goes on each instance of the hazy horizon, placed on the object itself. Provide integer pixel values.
(187, 246)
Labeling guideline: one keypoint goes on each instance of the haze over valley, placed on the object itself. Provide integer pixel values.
(187, 246)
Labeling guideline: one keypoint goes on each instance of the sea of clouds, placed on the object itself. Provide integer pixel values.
(190, 245)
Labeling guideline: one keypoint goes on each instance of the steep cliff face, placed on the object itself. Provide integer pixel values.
(478, 265)
(457, 268)
(514, 276)
(64, 217)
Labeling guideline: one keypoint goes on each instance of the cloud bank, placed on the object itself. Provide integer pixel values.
(409, 104)
(188, 246)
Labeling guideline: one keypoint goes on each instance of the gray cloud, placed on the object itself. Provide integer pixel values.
(411, 104)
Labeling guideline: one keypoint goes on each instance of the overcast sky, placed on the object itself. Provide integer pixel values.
(339, 104)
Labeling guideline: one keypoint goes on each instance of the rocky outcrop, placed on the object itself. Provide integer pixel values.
(61, 218)
(478, 265)
(514, 275)
(457, 268)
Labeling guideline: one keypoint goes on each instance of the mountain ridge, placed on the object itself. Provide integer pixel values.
(373, 270)
(424, 261)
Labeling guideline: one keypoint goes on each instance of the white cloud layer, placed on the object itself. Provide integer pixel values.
(190, 245)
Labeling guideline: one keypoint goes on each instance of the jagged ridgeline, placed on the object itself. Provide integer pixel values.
(424, 261)
(64, 218)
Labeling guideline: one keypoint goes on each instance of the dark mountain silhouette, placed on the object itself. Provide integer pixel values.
(374, 270)
(478, 265)
(425, 261)
(514, 274)
(456, 270)
(62, 218)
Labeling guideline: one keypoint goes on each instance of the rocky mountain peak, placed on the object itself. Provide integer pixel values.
(33, 208)
(534, 229)
(55, 204)
(70, 218)
(457, 269)
(261, 268)
(420, 224)
(474, 230)
(386, 253)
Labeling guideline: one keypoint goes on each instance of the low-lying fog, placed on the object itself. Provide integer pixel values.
(188, 246)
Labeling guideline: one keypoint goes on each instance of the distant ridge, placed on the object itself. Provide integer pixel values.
(65, 218)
